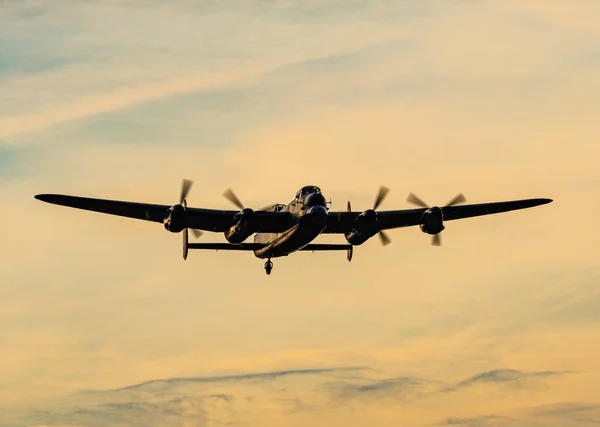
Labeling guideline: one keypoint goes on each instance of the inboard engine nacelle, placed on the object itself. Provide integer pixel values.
(241, 228)
(176, 219)
(365, 227)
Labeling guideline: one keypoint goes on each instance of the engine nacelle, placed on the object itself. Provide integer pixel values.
(176, 220)
(432, 221)
(365, 227)
(241, 228)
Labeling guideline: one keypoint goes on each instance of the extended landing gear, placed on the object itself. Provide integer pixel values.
(268, 266)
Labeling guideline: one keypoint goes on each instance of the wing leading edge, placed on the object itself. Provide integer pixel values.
(395, 219)
(342, 222)
(265, 221)
(198, 218)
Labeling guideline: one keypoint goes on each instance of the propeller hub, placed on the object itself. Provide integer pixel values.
(177, 219)
(432, 221)
(367, 219)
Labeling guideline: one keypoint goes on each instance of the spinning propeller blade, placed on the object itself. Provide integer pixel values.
(185, 189)
(230, 195)
(457, 200)
(412, 198)
(383, 191)
(385, 239)
(185, 243)
(380, 196)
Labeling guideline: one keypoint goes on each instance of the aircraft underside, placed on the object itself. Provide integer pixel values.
(291, 240)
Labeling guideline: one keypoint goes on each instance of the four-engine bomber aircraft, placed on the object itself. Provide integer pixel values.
(284, 229)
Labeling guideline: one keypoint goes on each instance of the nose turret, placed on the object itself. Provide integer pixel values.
(315, 199)
(315, 208)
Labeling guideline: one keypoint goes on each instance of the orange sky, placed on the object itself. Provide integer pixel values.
(497, 100)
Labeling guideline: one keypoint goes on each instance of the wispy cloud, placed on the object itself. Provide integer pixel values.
(399, 388)
(102, 73)
(501, 376)
(576, 414)
(262, 376)
(481, 421)
(201, 400)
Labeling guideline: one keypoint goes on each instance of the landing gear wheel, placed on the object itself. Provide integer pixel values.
(268, 266)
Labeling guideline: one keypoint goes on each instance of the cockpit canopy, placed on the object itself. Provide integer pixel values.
(309, 189)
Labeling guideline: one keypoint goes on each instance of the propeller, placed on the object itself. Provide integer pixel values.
(383, 237)
(185, 189)
(381, 195)
(412, 198)
(230, 195)
(436, 239)
(415, 200)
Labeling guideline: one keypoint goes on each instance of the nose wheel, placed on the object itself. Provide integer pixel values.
(268, 266)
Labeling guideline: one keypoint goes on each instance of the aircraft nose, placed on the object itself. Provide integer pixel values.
(315, 199)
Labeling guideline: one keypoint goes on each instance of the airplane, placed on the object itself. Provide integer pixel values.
(282, 229)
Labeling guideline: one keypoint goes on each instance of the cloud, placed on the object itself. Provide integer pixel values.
(197, 401)
(501, 376)
(407, 388)
(140, 59)
(576, 19)
(347, 60)
(193, 401)
(404, 388)
(576, 414)
(482, 421)
(7, 162)
(262, 376)
(102, 103)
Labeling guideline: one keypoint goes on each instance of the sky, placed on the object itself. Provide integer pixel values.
(103, 322)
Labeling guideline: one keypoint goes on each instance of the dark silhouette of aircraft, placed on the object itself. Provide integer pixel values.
(283, 229)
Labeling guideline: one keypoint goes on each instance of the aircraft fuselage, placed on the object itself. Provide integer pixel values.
(310, 209)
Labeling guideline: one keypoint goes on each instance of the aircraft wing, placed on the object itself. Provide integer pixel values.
(202, 219)
(341, 222)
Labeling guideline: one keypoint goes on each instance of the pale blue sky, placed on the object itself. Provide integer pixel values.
(123, 99)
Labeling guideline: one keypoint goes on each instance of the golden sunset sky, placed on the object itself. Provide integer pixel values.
(103, 323)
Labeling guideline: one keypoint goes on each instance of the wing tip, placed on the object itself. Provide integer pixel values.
(55, 199)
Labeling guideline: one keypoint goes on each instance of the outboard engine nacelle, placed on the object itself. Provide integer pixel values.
(241, 228)
(432, 221)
